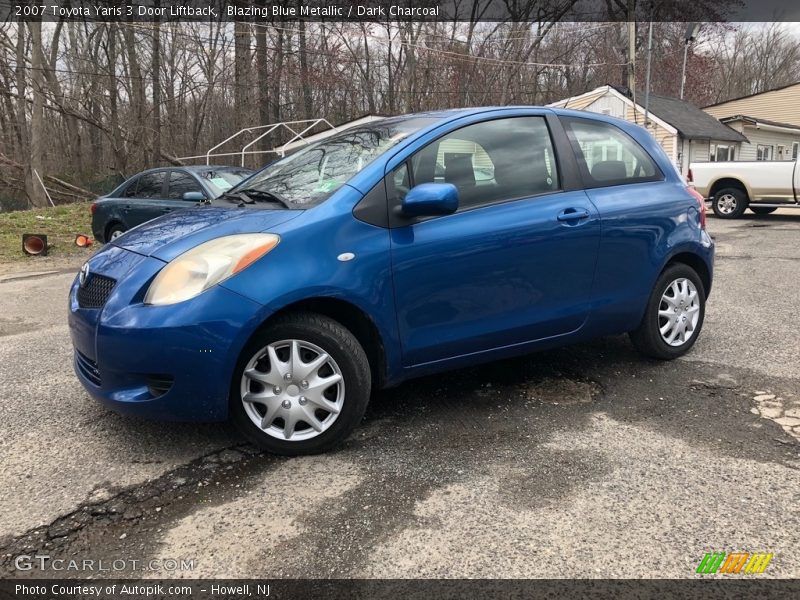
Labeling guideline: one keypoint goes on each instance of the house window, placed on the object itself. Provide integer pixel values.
(795, 150)
(763, 152)
(721, 152)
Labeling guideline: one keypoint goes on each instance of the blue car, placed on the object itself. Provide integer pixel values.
(356, 263)
(154, 192)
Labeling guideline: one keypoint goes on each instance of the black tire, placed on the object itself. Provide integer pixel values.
(114, 228)
(762, 210)
(343, 347)
(647, 337)
(730, 203)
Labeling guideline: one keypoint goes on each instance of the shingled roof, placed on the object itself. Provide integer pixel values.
(691, 122)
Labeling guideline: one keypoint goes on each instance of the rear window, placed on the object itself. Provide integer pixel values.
(609, 156)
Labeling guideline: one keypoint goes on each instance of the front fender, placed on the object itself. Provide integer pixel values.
(308, 263)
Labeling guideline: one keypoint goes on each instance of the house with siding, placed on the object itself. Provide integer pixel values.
(770, 121)
(686, 133)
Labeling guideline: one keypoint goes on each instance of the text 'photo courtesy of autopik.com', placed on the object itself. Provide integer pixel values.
(399, 299)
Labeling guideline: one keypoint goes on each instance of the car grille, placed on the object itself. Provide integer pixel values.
(96, 291)
(88, 368)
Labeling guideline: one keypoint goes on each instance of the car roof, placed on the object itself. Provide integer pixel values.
(193, 169)
(444, 115)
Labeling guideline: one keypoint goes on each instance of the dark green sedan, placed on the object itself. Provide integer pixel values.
(155, 192)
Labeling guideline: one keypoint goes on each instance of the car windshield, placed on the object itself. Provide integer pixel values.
(312, 174)
(221, 180)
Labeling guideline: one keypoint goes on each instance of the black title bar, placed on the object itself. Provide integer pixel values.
(266, 11)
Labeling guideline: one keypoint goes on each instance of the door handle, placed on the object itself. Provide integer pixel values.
(573, 214)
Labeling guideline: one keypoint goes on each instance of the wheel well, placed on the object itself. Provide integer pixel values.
(726, 182)
(697, 264)
(110, 225)
(355, 320)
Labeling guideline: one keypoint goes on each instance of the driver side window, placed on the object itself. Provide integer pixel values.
(489, 162)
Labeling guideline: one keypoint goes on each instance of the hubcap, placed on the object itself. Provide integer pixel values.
(679, 312)
(116, 233)
(726, 203)
(273, 381)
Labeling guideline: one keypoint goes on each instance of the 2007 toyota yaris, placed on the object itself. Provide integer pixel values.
(408, 246)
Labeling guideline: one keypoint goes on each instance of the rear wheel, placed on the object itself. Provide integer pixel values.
(301, 386)
(729, 203)
(762, 210)
(674, 315)
(114, 231)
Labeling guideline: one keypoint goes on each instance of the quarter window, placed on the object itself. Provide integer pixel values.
(488, 162)
(607, 155)
(130, 191)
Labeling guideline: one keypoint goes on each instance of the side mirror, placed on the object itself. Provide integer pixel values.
(194, 196)
(430, 199)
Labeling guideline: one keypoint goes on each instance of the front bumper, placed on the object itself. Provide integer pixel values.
(162, 362)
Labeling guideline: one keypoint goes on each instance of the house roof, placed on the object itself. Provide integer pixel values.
(691, 122)
(756, 121)
(684, 117)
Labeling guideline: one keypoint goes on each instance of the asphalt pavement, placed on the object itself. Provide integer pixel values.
(587, 461)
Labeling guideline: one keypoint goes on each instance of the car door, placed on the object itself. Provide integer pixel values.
(146, 200)
(515, 263)
(639, 210)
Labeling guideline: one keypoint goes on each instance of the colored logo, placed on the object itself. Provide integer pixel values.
(734, 562)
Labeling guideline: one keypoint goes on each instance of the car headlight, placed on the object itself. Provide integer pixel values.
(203, 266)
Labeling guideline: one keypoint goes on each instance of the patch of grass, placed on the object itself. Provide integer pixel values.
(60, 223)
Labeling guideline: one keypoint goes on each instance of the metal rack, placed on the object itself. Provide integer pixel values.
(298, 130)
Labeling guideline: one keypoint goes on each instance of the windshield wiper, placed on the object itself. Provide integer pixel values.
(266, 196)
(238, 198)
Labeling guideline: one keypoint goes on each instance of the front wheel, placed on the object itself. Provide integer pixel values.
(301, 385)
(729, 203)
(674, 315)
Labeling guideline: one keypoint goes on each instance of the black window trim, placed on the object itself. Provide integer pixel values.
(566, 178)
(588, 181)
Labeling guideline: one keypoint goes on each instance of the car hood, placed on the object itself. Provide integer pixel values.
(171, 235)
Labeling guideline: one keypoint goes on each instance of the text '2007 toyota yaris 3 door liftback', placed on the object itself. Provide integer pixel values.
(407, 246)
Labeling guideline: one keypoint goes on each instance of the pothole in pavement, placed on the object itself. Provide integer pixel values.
(562, 390)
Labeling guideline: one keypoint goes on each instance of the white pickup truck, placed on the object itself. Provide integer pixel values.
(733, 186)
